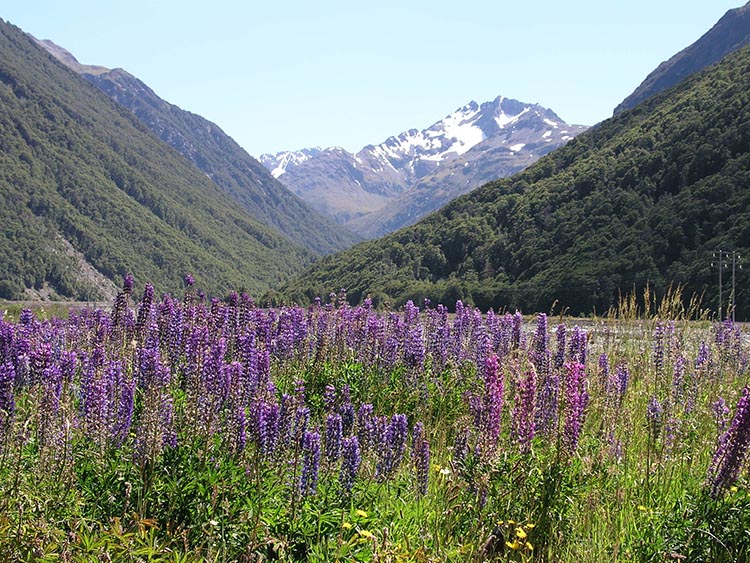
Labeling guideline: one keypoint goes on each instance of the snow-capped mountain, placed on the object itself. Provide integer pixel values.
(475, 143)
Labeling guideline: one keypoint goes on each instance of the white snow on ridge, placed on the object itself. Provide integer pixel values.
(517, 147)
(551, 123)
(546, 134)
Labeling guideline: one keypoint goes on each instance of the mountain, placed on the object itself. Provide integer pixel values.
(643, 198)
(386, 186)
(214, 152)
(730, 33)
(88, 193)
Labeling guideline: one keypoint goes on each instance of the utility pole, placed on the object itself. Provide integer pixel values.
(736, 264)
(721, 261)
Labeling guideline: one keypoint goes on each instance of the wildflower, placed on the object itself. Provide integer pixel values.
(733, 446)
(361, 513)
(346, 526)
(366, 534)
(576, 401)
(351, 460)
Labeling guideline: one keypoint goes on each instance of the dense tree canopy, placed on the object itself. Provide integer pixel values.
(643, 198)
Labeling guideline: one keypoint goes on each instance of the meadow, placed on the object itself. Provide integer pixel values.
(186, 429)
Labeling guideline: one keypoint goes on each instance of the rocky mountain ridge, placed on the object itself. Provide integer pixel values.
(386, 186)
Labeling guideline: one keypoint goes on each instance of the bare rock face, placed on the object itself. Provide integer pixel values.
(387, 186)
(730, 33)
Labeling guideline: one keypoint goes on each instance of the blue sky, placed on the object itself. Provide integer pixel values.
(286, 75)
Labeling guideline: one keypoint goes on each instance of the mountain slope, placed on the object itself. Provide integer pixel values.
(84, 186)
(643, 198)
(386, 186)
(730, 33)
(241, 176)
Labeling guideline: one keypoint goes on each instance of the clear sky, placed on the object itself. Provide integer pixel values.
(282, 75)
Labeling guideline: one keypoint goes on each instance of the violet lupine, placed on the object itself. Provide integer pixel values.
(308, 482)
(366, 427)
(540, 356)
(125, 405)
(603, 371)
(493, 403)
(523, 410)
(334, 436)
(619, 383)
(144, 310)
(268, 424)
(576, 399)
(547, 405)
(350, 461)
(655, 417)
(578, 346)
(346, 410)
(729, 457)
(421, 457)
(560, 353)
(721, 413)
(678, 379)
(7, 398)
(392, 447)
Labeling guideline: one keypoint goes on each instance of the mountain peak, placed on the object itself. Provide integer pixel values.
(729, 34)
(449, 156)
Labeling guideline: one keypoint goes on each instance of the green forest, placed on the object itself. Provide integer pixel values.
(643, 199)
(77, 170)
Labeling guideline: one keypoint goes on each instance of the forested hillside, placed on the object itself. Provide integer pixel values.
(87, 194)
(643, 198)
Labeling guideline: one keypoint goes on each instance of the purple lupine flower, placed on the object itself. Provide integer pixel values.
(365, 426)
(729, 457)
(493, 403)
(461, 446)
(26, 317)
(334, 436)
(721, 413)
(547, 404)
(576, 399)
(350, 462)
(7, 398)
(127, 284)
(578, 346)
(619, 383)
(421, 457)
(144, 309)
(392, 447)
(346, 410)
(268, 422)
(655, 417)
(603, 371)
(308, 483)
(523, 411)
(329, 398)
(540, 354)
(560, 355)
(189, 280)
(125, 406)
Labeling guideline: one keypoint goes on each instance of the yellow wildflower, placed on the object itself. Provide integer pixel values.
(513, 545)
(520, 534)
(361, 513)
(346, 526)
(366, 534)
(529, 546)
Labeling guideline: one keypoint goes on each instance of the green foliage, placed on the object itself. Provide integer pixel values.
(82, 180)
(240, 176)
(641, 199)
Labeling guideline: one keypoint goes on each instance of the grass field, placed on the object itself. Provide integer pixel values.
(184, 430)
